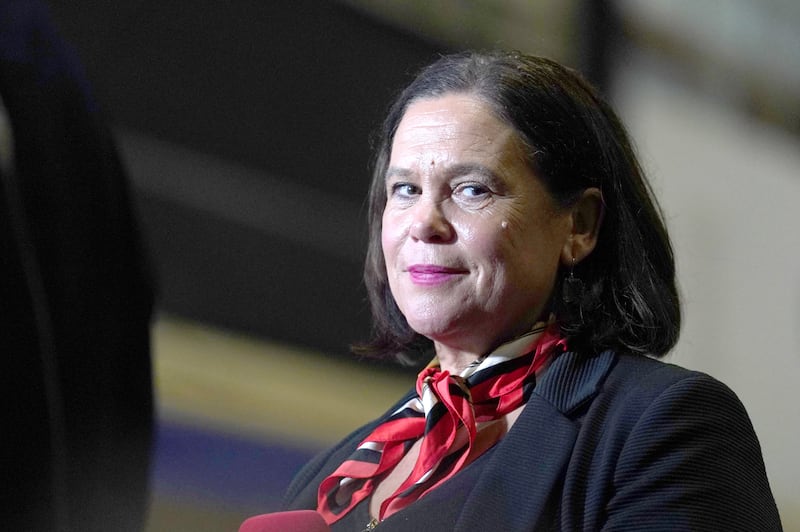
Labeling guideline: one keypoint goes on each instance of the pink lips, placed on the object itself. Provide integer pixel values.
(431, 274)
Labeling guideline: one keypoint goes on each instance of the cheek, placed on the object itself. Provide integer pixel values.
(386, 229)
(391, 237)
(386, 246)
(384, 233)
(487, 242)
(528, 244)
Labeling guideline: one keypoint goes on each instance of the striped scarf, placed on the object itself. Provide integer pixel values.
(448, 414)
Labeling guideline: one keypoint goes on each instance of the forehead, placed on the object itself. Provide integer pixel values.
(443, 109)
(455, 122)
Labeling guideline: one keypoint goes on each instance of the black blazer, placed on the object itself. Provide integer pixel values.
(610, 442)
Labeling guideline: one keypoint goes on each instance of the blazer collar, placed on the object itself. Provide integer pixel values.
(574, 379)
(533, 456)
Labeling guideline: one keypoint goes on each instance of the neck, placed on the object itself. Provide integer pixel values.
(455, 360)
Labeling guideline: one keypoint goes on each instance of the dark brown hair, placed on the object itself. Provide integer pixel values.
(574, 141)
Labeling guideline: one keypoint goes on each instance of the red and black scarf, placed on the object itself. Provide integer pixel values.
(448, 414)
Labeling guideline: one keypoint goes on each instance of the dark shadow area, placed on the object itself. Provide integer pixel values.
(289, 90)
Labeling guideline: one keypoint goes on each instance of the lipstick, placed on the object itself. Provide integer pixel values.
(432, 274)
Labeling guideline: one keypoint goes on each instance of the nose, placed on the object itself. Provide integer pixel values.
(429, 223)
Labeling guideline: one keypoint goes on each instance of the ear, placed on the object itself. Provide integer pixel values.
(586, 216)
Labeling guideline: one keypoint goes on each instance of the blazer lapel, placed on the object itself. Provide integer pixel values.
(519, 487)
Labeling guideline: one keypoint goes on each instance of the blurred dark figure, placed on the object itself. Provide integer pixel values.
(75, 300)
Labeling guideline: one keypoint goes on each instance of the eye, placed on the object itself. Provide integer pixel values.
(475, 190)
(404, 190)
(472, 191)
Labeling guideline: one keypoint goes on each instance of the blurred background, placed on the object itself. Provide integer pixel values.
(245, 127)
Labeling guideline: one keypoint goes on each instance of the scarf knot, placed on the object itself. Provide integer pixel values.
(448, 414)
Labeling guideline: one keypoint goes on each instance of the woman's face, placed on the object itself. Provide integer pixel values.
(471, 238)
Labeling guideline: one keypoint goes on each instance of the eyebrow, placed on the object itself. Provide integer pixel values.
(474, 169)
(394, 171)
(451, 172)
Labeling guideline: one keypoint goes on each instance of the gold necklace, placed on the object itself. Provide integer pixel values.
(372, 525)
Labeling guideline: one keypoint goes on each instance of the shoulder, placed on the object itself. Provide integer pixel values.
(575, 381)
(651, 370)
(677, 448)
(646, 389)
(643, 400)
(644, 378)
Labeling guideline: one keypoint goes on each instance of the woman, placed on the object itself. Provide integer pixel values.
(513, 235)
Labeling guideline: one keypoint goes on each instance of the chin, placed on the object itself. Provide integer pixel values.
(429, 329)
